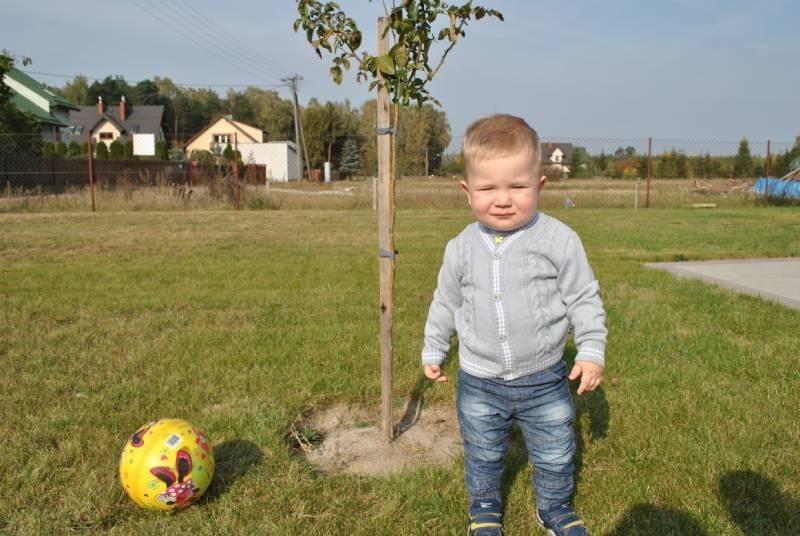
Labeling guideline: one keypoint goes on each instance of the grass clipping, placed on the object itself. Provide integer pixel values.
(347, 439)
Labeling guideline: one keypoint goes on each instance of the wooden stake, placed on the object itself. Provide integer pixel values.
(385, 237)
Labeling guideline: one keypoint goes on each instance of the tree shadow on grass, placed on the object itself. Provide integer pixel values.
(413, 407)
(233, 459)
(757, 505)
(652, 520)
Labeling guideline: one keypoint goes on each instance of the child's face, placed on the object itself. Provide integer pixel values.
(503, 192)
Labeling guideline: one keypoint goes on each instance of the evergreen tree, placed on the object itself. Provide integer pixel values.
(743, 163)
(162, 151)
(580, 165)
(601, 162)
(73, 149)
(47, 149)
(351, 160)
(227, 154)
(115, 150)
(127, 150)
(101, 151)
(61, 149)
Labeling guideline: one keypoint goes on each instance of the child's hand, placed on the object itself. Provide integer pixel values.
(591, 375)
(434, 372)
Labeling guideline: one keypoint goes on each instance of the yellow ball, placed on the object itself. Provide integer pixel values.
(166, 465)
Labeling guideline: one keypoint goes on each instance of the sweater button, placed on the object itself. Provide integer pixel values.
(497, 297)
(501, 338)
(496, 255)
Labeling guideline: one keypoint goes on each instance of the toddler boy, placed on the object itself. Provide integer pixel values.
(510, 285)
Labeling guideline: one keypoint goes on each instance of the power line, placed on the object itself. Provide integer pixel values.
(235, 40)
(196, 40)
(224, 44)
(179, 84)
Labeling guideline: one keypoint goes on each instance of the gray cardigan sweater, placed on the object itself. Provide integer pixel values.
(511, 301)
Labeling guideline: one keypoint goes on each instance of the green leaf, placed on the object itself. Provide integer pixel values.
(336, 73)
(399, 54)
(355, 40)
(385, 64)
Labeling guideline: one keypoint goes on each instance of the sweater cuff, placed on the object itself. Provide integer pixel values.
(433, 356)
(593, 351)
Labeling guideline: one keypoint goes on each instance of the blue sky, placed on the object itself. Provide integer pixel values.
(670, 69)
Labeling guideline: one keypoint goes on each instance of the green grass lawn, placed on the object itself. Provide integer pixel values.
(238, 322)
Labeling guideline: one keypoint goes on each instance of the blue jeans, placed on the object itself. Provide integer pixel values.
(541, 404)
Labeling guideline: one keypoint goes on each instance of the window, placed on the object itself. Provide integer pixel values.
(106, 135)
(222, 139)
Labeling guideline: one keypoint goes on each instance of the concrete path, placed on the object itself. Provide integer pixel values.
(773, 279)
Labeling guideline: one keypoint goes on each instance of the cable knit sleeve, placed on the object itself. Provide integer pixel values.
(441, 326)
(581, 294)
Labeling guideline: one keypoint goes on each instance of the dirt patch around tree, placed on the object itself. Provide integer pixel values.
(348, 438)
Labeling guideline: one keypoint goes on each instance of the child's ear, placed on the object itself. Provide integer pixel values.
(465, 188)
(542, 181)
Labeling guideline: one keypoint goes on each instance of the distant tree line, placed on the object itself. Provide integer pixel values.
(334, 132)
(625, 163)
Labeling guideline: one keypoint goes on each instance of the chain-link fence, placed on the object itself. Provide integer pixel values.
(30, 167)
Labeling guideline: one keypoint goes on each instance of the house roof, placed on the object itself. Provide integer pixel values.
(550, 147)
(42, 116)
(235, 124)
(140, 119)
(40, 89)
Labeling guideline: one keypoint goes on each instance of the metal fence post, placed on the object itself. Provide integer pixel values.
(649, 171)
(91, 168)
(766, 175)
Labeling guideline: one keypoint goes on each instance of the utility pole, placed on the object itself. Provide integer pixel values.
(298, 125)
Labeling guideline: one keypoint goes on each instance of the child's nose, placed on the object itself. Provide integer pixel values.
(503, 198)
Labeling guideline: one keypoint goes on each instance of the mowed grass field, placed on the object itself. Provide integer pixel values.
(240, 322)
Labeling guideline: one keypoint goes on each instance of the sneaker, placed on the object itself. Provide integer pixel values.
(562, 521)
(485, 518)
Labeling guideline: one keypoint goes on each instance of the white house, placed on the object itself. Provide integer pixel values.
(280, 157)
(557, 155)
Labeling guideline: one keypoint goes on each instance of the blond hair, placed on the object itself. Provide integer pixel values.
(497, 136)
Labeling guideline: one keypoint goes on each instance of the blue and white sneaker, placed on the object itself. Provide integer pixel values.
(485, 518)
(562, 521)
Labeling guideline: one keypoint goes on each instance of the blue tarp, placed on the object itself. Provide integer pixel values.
(777, 187)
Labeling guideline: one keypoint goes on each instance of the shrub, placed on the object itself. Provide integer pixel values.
(101, 151)
(61, 149)
(74, 150)
(48, 150)
(162, 151)
(227, 154)
(127, 150)
(115, 150)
